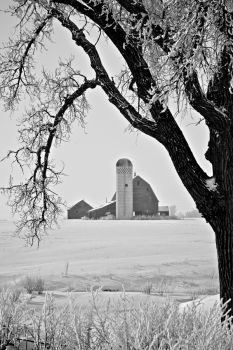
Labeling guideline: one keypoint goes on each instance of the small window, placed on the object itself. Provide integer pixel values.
(126, 185)
(138, 183)
(147, 189)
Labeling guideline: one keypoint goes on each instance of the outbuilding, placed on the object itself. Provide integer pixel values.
(79, 210)
(163, 210)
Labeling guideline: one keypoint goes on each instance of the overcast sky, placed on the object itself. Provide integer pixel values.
(91, 154)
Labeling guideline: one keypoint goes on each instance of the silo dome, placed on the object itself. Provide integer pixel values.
(124, 163)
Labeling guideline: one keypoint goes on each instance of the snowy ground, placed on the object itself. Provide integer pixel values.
(177, 256)
(83, 299)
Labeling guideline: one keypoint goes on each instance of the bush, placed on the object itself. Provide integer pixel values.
(147, 288)
(31, 284)
(16, 293)
(39, 285)
(12, 313)
(163, 285)
(113, 325)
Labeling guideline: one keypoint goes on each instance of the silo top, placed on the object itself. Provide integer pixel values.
(124, 163)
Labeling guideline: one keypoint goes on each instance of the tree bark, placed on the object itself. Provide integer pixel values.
(223, 227)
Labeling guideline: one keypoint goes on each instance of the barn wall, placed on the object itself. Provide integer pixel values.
(164, 213)
(144, 199)
(79, 210)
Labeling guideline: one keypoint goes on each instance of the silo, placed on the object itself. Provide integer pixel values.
(124, 189)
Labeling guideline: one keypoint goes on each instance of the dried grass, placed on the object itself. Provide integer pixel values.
(112, 326)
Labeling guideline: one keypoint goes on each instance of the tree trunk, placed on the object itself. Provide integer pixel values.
(223, 227)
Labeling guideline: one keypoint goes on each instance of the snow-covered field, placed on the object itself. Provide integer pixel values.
(179, 255)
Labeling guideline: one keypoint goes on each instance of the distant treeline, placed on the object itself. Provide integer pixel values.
(190, 214)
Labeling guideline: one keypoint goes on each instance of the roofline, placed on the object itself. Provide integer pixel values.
(102, 206)
(82, 200)
(141, 178)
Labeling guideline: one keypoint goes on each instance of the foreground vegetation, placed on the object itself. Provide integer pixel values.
(122, 325)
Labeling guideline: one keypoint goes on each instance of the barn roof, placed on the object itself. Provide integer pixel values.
(102, 206)
(137, 178)
(80, 203)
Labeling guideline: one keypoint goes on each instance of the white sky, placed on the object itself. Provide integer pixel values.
(90, 156)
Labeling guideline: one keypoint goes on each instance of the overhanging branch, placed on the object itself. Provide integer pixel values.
(164, 129)
(115, 97)
(215, 118)
(131, 54)
(34, 199)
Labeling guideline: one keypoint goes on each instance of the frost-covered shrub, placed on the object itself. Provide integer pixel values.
(39, 285)
(147, 288)
(12, 316)
(33, 283)
(112, 325)
(29, 284)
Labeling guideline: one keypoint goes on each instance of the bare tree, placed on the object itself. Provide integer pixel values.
(178, 49)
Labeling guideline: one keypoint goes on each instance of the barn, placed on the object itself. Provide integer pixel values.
(145, 201)
(134, 197)
(79, 210)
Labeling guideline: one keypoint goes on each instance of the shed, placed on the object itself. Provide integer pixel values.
(163, 210)
(79, 210)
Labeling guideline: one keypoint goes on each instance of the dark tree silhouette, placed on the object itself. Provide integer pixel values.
(178, 49)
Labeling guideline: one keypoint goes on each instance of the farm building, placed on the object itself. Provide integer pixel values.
(103, 210)
(79, 210)
(145, 201)
(134, 196)
(163, 210)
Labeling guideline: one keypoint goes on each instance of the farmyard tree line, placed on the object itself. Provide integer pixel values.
(172, 50)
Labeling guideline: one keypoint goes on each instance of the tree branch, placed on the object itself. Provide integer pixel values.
(17, 62)
(130, 53)
(214, 117)
(88, 84)
(37, 205)
(27, 49)
(106, 83)
(164, 129)
(162, 37)
(132, 6)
